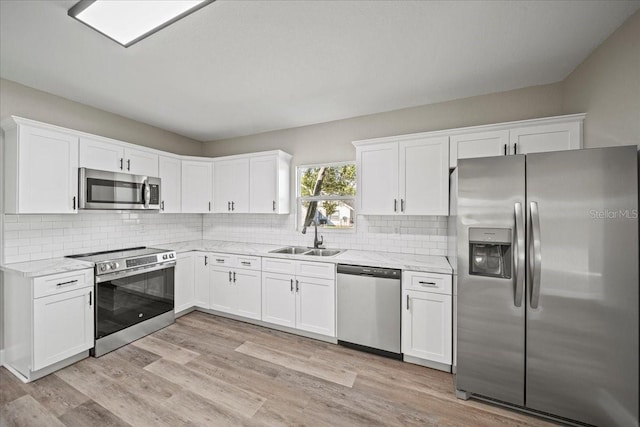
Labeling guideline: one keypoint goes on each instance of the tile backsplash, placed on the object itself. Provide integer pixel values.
(425, 235)
(34, 237)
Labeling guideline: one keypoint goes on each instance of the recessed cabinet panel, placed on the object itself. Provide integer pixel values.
(202, 282)
(197, 186)
(102, 155)
(184, 282)
(316, 305)
(231, 186)
(248, 293)
(141, 162)
(550, 137)
(480, 144)
(427, 326)
(278, 299)
(377, 178)
(223, 290)
(170, 173)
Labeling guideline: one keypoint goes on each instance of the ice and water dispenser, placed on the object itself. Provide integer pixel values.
(490, 252)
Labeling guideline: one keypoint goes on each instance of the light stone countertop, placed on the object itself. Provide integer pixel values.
(423, 263)
(45, 267)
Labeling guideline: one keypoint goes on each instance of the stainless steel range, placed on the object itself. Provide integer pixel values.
(134, 294)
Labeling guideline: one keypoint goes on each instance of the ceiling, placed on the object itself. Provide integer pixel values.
(243, 67)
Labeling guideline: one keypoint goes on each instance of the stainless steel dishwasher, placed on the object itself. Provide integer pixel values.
(369, 309)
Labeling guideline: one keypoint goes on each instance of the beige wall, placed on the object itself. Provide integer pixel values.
(607, 87)
(331, 141)
(23, 101)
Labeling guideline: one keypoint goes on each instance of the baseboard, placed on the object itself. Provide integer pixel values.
(427, 363)
(2, 357)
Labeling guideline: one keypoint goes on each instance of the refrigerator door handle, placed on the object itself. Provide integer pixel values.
(518, 255)
(535, 256)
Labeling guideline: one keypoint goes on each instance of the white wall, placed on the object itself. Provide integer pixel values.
(607, 87)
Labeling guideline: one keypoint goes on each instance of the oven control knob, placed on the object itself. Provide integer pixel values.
(104, 267)
(164, 256)
(170, 255)
(114, 265)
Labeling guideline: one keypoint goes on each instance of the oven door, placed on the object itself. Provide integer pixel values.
(128, 298)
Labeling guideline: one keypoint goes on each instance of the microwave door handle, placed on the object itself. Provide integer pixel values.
(146, 193)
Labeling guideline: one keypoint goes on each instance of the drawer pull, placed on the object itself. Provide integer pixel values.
(70, 282)
(432, 284)
(229, 277)
(245, 263)
(219, 260)
(407, 302)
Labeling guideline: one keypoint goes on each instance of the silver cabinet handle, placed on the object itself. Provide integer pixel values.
(70, 282)
(234, 277)
(515, 148)
(228, 206)
(401, 205)
(209, 206)
(395, 205)
(219, 260)
(535, 258)
(245, 263)
(518, 255)
(407, 301)
(128, 164)
(74, 203)
(297, 286)
(121, 163)
(90, 297)
(291, 285)
(206, 260)
(431, 284)
(233, 206)
(505, 149)
(274, 205)
(229, 277)
(162, 205)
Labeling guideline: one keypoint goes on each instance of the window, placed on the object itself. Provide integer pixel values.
(326, 196)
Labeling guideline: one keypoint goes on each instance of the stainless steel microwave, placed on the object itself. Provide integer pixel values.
(112, 190)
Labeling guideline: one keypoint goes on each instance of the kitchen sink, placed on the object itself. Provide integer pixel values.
(301, 250)
(291, 250)
(323, 252)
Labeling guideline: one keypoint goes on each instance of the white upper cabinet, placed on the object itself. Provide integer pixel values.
(523, 137)
(478, 144)
(197, 186)
(269, 183)
(170, 173)
(103, 154)
(546, 137)
(41, 169)
(403, 175)
(231, 185)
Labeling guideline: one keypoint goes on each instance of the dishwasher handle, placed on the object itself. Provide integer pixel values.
(359, 270)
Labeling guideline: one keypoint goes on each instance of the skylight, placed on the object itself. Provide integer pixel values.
(129, 21)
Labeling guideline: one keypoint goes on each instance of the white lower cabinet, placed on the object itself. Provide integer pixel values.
(202, 287)
(49, 321)
(427, 328)
(236, 285)
(304, 302)
(184, 282)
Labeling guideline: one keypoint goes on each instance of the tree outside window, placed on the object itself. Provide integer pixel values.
(326, 196)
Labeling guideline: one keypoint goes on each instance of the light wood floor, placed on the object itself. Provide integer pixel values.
(208, 370)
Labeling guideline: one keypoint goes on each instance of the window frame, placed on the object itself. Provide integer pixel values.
(300, 198)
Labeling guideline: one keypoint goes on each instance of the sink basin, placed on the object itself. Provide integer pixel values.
(291, 250)
(323, 252)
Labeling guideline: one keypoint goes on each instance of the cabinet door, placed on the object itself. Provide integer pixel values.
(62, 326)
(315, 305)
(479, 144)
(197, 183)
(231, 186)
(278, 299)
(95, 154)
(378, 179)
(549, 137)
(202, 284)
(223, 290)
(248, 293)
(263, 185)
(424, 176)
(141, 162)
(427, 326)
(170, 173)
(48, 171)
(184, 282)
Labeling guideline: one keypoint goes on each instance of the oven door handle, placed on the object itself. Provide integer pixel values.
(133, 272)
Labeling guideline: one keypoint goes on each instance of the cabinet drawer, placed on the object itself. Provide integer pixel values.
(322, 270)
(428, 282)
(248, 262)
(220, 259)
(278, 265)
(63, 282)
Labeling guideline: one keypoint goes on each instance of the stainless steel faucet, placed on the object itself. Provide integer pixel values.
(317, 244)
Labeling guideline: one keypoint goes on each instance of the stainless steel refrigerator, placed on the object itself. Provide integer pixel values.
(547, 283)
